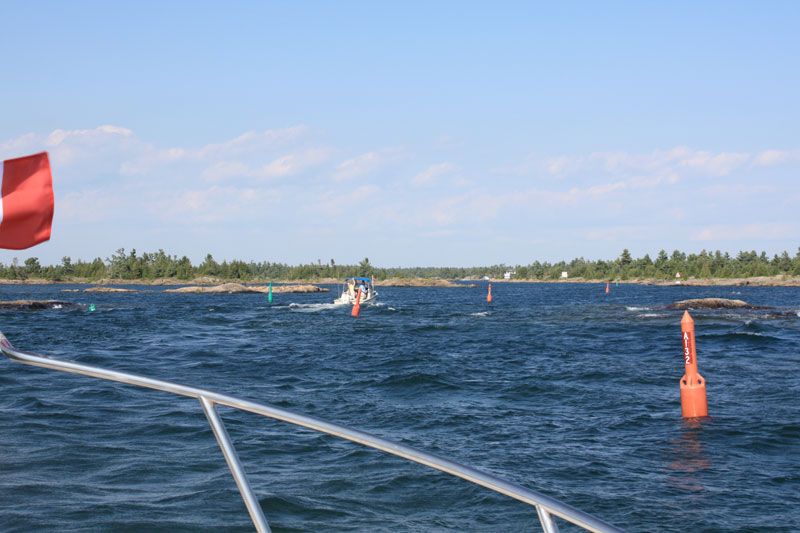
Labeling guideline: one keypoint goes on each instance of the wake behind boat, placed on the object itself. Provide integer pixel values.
(350, 288)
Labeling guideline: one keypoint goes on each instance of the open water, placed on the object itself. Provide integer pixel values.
(558, 387)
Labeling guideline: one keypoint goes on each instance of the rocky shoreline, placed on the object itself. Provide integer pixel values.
(761, 281)
(420, 282)
(238, 288)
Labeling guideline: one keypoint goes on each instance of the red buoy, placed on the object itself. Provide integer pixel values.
(357, 305)
(693, 386)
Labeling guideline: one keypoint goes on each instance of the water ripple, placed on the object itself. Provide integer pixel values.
(558, 387)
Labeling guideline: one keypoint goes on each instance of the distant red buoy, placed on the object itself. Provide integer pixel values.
(607, 284)
(693, 386)
(357, 305)
(489, 296)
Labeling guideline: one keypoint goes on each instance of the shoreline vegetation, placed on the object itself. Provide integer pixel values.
(677, 269)
(285, 286)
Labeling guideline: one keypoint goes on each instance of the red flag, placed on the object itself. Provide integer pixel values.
(27, 205)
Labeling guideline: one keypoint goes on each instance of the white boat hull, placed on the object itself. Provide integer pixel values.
(350, 300)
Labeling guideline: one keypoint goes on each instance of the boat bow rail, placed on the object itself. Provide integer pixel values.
(546, 507)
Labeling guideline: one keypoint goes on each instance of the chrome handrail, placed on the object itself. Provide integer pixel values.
(546, 506)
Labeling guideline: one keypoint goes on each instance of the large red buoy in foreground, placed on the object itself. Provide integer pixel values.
(357, 305)
(693, 386)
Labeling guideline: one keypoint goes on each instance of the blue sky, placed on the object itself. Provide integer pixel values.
(417, 133)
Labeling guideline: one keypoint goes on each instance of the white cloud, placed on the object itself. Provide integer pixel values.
(461, 182)
(367, 163)
(295, 163)
(357, 166)
(249, 142)
(446, 142)
(716, 165)
(740, 190)
(70, 147)
(563, 164)
(428, 176)
(667, 162)
(19, 147)
(226, 169)
(99, 135)
(281, 166)
(440, 233)
(108, 176)
(215, 204)
(776, 157)
(339, 202)
(447, 210)
(480, 205)
(622, 233)
(736, 232)
(247, 146)
(103, 144)
(666, 165)
(284, 165)
(91, 205)
(600, 190)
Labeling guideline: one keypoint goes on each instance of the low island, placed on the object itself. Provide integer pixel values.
(159, 268)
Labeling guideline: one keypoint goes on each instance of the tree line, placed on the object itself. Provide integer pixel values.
(160, 265)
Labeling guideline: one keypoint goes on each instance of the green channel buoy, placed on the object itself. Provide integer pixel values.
(269, 297)
(618, 284)
(91, 307)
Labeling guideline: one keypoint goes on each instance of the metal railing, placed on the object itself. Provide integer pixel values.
(546, 507)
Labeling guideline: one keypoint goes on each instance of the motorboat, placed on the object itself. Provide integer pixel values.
(350, 289)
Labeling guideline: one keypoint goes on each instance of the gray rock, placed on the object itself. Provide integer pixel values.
(714, 303)
(36, 304)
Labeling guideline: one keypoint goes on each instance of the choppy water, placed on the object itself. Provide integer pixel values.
(559, 387)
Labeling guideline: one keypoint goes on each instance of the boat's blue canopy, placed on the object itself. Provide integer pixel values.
(360, 279)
